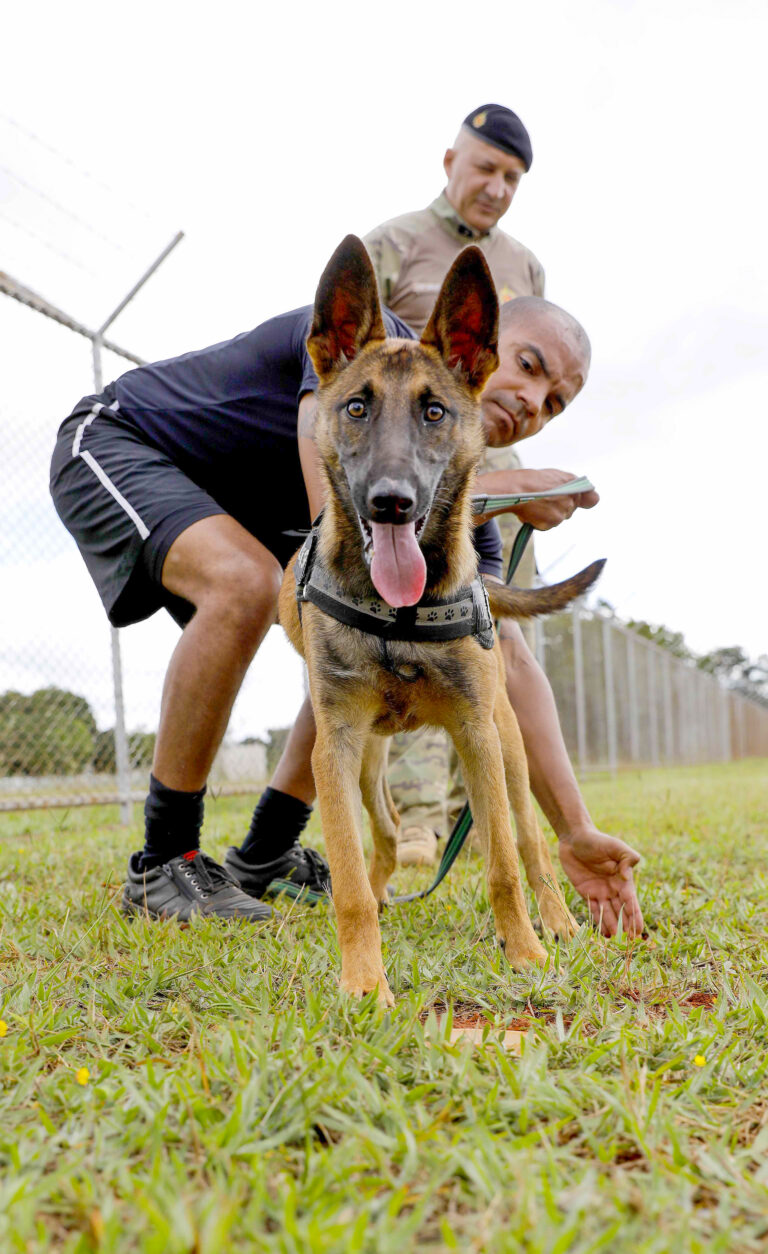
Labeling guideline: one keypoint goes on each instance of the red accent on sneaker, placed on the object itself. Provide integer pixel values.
(190, 857)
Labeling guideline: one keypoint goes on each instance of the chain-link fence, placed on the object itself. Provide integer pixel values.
(626, 701)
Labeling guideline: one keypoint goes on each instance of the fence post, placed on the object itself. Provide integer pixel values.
(610, 695)
(653, 699)
(634, 713)
(725, 725)
(669, 723)
(122, 760)
(578, 684)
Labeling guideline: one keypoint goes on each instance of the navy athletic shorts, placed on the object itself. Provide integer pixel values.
(125, 503)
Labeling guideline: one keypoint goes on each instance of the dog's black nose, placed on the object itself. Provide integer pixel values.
(391, 501)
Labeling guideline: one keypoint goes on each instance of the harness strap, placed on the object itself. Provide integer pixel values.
(465, 613)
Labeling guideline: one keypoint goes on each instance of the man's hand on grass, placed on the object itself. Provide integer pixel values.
(600, 869)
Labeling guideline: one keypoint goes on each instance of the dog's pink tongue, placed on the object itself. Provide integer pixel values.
(398, 569)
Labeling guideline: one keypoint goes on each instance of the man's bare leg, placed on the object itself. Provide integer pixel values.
(233, 582)
(293, 773)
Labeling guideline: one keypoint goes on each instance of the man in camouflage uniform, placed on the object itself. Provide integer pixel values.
(411, 255)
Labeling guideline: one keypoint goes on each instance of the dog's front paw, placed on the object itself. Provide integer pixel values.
(357, 985)
(523, 949)
(556, 916)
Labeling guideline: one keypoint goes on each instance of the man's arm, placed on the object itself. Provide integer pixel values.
(540, 514)
(308, 454)
(599, 866)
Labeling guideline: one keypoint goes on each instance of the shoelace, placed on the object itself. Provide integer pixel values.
(204, 874)
(321, 872)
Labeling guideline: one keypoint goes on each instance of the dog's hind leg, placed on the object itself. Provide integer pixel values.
(478, 747)
(336, 764)
(534, 850)
(385, 820)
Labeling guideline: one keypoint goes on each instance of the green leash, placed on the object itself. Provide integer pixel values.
(480, 505)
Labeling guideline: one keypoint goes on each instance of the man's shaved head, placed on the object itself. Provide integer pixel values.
(532, 310)
(544, 358)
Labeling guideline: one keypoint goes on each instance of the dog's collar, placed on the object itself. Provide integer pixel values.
(465, 613)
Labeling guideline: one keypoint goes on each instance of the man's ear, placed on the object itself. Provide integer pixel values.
(464, 326)
(347, 310)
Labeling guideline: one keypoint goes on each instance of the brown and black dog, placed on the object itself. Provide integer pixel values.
(399, 435)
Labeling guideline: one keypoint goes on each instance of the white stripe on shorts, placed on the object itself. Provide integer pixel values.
(85, 423)
(101, 474)
(104, 478)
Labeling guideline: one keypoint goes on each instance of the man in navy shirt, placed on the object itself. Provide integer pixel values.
(182, 483)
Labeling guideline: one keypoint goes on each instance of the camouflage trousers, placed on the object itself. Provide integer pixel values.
(424, 771)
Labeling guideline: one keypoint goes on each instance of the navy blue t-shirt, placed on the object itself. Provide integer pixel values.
(227, 416)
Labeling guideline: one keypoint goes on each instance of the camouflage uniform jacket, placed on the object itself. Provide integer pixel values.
(413, 253)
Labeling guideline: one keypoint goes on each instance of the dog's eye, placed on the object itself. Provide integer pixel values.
(433, 412)
(356, 409)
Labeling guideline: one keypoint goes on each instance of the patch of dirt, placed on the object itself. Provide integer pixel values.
(467, 1014)
(655, 1001)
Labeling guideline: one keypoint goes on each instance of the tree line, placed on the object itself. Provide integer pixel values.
(54, 732)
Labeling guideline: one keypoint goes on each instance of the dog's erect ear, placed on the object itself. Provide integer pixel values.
(464, 326)
(347, 309)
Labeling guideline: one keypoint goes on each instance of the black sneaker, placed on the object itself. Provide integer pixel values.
(299, 873)
(190, 884)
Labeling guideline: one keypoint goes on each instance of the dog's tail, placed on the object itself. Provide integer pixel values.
(511, 602)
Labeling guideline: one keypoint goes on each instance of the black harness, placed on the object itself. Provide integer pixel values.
(466, 613)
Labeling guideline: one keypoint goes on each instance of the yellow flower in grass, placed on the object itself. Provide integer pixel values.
(3, 1028)
(83, 1076)
(699, 1061)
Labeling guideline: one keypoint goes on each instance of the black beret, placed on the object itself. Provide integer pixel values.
(497, 125)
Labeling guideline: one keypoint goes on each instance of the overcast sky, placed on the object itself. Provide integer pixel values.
(268, 135)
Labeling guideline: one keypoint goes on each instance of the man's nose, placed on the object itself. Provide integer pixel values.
(496, 187)
(532, 394)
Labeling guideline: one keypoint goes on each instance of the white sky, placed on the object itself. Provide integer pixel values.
(267, 135)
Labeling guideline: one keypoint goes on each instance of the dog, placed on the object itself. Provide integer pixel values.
(399, 434)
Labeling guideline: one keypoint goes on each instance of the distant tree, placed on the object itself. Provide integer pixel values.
(141, 748)
(736, 668)
(50, 732)
(673, 641)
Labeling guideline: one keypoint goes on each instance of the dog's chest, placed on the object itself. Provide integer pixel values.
(404, 685)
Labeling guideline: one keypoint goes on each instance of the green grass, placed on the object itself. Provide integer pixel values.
(237, 1102)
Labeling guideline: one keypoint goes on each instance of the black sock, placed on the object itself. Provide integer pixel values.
(173, 822)
(277, 823)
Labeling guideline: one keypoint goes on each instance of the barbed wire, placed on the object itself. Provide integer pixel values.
(69, 213)
(124, 200)
(39, 239)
